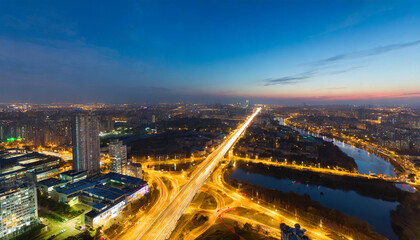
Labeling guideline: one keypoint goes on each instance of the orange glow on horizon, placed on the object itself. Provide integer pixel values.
(343, 96)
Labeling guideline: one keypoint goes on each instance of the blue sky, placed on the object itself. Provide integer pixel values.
(283, 52)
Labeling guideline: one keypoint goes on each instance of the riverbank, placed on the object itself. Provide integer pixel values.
(374, 188)
(331, 155)
(303, 207)
(406, 220)
(397, 167)
(403, 217)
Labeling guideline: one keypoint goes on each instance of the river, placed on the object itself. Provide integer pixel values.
(375, 211)
(366, 161)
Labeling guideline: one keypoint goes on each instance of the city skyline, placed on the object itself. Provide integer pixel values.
(171, 171)
(202, 120)
(358, 52)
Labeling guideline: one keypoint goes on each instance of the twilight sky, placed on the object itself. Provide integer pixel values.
(285, 52)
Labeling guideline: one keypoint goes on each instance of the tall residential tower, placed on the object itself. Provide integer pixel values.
(86, 143)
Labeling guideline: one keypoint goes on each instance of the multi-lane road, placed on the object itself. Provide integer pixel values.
(165, 222)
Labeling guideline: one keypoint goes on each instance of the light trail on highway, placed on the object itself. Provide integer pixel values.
(166, 221)
(146, 219)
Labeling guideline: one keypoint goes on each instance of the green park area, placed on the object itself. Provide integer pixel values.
(58, 211)
(60, 220)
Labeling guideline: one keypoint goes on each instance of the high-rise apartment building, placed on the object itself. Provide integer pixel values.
(86, 143)
(18, 209)
(2, 133)
(118, 156)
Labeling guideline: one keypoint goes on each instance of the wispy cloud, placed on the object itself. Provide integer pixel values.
(289, 79)
(343, 70)
(365, 53)
(301, 77)
(318, 68)
(409, 94)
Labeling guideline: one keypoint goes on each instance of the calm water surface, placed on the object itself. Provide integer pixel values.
(375, 211)
(366, 161)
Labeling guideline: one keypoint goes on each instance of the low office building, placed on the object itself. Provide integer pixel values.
(107, 194)
(73, 176)
(17, 163)
(18, 208)
(96, 218)
(48, 185)
(37, 176)
(102, 193)
(70, 193)
(127, 182)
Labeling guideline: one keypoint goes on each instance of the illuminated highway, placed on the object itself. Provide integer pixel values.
(146, 218)
(166, 221)
(228, 199)
(273, 213)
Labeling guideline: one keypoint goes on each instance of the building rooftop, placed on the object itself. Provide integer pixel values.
(12, 162)
(112, 189)
(38, 161)
(98, 206)
(75, 187)
(97, 183)
(106, 194)
(7, 158)
(51, 182)
(11, 169)
(72, 173)
(92, 213)
(124, 179)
